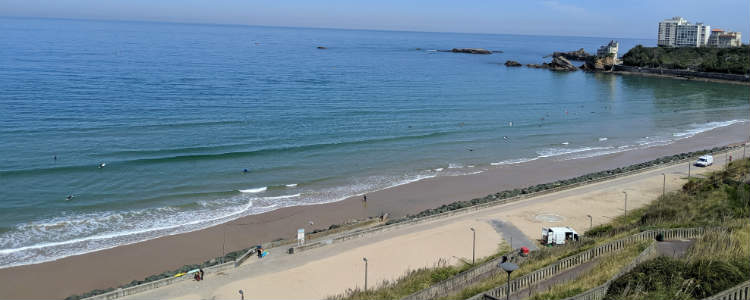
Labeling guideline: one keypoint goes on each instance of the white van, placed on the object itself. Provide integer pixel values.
(705, 161)
(558, 235)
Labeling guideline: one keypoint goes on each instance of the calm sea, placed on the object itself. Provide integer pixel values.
(177, 112)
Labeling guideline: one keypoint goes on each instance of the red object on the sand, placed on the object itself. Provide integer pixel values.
(524, 250)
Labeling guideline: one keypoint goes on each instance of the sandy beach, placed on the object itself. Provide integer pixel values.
(331, 270)
(427, 243)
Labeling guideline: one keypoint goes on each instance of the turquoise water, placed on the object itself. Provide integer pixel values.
(178, 111)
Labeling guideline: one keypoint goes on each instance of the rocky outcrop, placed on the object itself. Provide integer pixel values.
(596, 64)
(579, 54)
(471, 50)
(558, 63)
(512, 63)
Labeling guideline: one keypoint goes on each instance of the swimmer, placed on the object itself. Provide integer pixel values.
(69, 197)
(102, 165)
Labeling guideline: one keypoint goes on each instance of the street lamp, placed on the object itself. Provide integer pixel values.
(473, 244)
(508, 267)
(626, 203)
(591, 222)
(365, 259)
(664, 185)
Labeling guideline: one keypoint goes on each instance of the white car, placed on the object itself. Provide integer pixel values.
(705, 161)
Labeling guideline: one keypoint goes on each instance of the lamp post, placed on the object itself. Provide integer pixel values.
(664, 185)
(473, 245)
(365, 259)
(508, 267)
(591, 222)
(224, 243)
(626, 203)
(689, 163)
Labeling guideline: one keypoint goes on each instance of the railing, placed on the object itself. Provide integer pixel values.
(599, 292)
(566, 263)
(739, 292)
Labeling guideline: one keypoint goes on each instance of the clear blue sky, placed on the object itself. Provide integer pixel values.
(606, 18)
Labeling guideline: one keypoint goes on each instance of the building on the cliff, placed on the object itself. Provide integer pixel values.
(678, 32)
(724, 39)
(608, 49)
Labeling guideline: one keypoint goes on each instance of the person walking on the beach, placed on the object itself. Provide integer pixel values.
(201, 271)
(364, 198)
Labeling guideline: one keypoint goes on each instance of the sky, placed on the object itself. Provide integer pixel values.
(599, 18)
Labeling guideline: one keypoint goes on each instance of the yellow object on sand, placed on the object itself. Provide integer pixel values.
(179, 274)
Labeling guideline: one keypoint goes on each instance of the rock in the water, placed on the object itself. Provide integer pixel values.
(599, 64)
(322, 47)
(471, 50)
(558, 63)
(579, 54)
(512, 63)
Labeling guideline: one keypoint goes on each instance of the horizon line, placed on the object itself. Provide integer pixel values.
(303, 27)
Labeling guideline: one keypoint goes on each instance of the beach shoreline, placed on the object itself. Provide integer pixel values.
(119, 265)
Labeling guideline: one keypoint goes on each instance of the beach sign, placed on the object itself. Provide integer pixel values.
(301, 237)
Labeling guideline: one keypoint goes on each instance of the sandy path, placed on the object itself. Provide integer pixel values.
(333, 269)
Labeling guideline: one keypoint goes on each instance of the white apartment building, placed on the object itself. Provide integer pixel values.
(724, 39)
(608, 49)
(678, 32)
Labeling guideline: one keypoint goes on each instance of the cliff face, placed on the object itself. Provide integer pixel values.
(595, 63)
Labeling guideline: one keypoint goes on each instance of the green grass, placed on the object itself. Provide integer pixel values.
(717, 261)
(417, 280)
(606, 267)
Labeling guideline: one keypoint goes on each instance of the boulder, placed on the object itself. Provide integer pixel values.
(596, 64)
(512, 63)
(579, 54)
(471, 50)
(558, 63)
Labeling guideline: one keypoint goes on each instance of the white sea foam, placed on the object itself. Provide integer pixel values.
(602, 139)
(699, 128)
(255, 190)
(291, 185)
(455, 166)
(513, 161)
(565, 143)
(552, 152)
(282, 197)
(438, 169)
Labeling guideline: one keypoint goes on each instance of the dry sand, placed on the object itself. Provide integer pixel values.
(120, 265)
(333, 269)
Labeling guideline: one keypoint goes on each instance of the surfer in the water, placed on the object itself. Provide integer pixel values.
(102, 165)
(244, 171)
(69, 197)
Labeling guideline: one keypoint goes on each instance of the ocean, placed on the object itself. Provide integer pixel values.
(201, 124)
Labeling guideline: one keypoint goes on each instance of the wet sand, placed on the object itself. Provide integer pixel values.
(330, 270)
(117, 266)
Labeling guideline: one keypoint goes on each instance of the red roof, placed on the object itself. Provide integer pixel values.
(717, 30)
